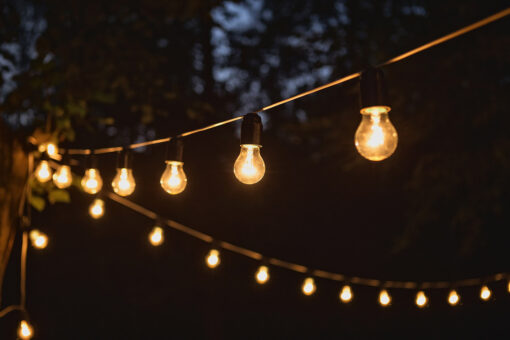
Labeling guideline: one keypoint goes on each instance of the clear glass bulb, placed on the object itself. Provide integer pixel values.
(346, 294)
(96, 209)
(156, 236)
(173, 179)
(25, 330)
(63, 178)
(38, 239)
(249, 167)
(50, 148)
(453, 298)
(213, 258)
(262, 275)
(308, 286)
(43, 172)
(92, 181)
(485, 293)
(376, 138)
(124, 183)
(384, 298)
(421, 299)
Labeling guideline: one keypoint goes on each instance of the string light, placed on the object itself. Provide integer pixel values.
(174, 179)
(384, 298)
(25, 330)
(249, 167)
(485, 293)
(308, 286)
(421, 299)
(38, 239)
(43, 171)
(50, 148)
(96, 209)
(346, 294)
(213, 258)
(63, 178)
(156, 236)
(453, 298)
(92, 181)
(262, 275)
(124, 183)
(508, 286)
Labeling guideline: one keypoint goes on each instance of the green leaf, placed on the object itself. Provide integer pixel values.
(59, 195)
(37, 202)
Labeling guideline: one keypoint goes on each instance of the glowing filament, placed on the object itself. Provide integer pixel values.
(62, 178)
(384, 298)
(124, 183)
(249, 167)
(376, 138)
(173, 179)
(308, 286)
(38, 239)
(213, 258)
(453, 298)
(156, 236)
(96, 209)
(421, 299)
(43, 172)
(346, 294)
(262, 274)
(25, 330)
(485, 293)
(92, 181)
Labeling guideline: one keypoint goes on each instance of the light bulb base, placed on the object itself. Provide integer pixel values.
(175, 149)
(125, 159)
(373, 90)
(251, 129)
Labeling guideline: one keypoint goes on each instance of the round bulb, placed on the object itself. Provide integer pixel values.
(384, 298)
(485, 293)
(262, 274)
(156, 236)
(62, 178)
(453, 298)
(25, 330)
(249, 167)
(421, 299)
(173, 179)
(346, 294)
(308, 286)
(43, 172)
(213, 258)
(92, 181)
(124, 183)
(50, 148)
(96, 209)
(376, 138)
(38, 239)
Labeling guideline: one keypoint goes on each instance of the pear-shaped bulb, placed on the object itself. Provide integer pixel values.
(173, 179)
(96, 209)
(124, 183)
(92, 181)
(43, 171)
(63, 178)
(249, 167)
(376, 138)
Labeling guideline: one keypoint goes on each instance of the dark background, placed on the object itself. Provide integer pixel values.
(108, 73)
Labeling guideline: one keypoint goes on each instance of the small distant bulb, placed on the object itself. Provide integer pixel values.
(485, 293)
(124, 183)
(92, 181)
(43, 172)
(384, 298)
(453, 298)
(156, 236)
(96, 209)
(174, 179)
(25, 330)
(62, 178)
(213, 258)
(38, 239)
(308, 286)
(262, 274)
(249, 168)
(508, 286)
(421, 299)
(50, 148)
(346, 294)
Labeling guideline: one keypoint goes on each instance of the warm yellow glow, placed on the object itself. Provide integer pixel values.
(38, 239)
(92, 181)
(249, 167)
(376, 138)
(156, 236)
(308, 286)
(43, 172)
(96, 209)
(50, 148)
(485, 293)
(262, 274)
(124, 183)
(173, 179)
(62, 178)
(421, 299)
(508, 286)
(213, 258)
(453, 298)
(25, 330)
(346, 294)
(384, 298)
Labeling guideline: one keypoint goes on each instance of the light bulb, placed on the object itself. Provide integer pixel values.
(508, 286)
(421, 299)
(346, 294)
(262, 274)
(96, 209)
(43, 171)
(92, 181)
(62, 178)
(485, 293)
(376, 138)
(308, 286)
(25, 330)
(213, 258)
(249, 167)
(156, 236)
(453, 298)
(124, 183)
(384, 298)
(38, 239)
(174, 179)
(50, 148)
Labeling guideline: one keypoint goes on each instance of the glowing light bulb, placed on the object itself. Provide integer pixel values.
(376, 138)
(173, 179)
(50, 148)
(346, 294)
(62, 178)
(421, 299)
(213, 258)
(96, 209)
(156, 236)
(249, 167)
(92, 181)
(38, 239)
(384, 298)
(25, 330)
(485, 293)
(453, 298)
(508, 286)
(308, 286)
(262, 275)
(124, 183)
(43, 171)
